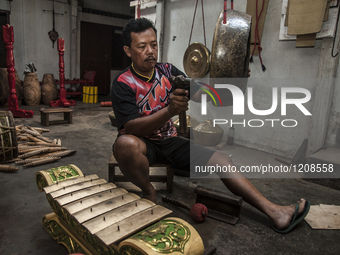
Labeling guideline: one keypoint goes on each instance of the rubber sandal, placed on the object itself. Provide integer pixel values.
(295, 220)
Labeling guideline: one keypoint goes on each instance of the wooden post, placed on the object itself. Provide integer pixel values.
(62, 101)
(13, 105)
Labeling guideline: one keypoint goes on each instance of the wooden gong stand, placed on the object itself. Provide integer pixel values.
(13, 105)
(62, 101)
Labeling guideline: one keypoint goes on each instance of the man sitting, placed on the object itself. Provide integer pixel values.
(144, 102)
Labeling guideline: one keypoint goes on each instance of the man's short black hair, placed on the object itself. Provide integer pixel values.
(136, 26)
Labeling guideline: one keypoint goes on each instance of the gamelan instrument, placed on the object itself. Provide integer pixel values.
(230, 52)
(8, 137)
(196, 60)
(229, 57)
(231, 46)
(92, 216)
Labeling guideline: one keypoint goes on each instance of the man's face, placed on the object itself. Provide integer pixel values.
(143, 51)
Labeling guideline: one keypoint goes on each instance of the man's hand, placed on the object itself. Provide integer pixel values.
(179, 99)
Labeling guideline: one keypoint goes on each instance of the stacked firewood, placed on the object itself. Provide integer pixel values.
(34, 149)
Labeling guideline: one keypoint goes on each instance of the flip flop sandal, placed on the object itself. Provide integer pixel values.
(296, 218)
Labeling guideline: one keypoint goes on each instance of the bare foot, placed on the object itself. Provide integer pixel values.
(284, 214)
(150, 196)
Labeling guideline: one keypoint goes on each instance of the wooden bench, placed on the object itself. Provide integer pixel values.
(45, 118)
(168, 177)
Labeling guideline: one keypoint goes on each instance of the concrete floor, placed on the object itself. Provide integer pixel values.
(22, 206)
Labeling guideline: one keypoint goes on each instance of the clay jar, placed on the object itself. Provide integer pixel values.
(32, 91)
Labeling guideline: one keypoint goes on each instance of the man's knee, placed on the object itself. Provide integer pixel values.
(220, 158)
(127, 145)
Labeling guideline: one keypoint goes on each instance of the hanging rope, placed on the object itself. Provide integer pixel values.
(193, 22)
(225, 12)
(205, 40)
(257, 43)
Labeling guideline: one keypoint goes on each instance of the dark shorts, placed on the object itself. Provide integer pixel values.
(177, 151)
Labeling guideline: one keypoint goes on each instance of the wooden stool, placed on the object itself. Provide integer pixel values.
(45, 118)
(168, 178)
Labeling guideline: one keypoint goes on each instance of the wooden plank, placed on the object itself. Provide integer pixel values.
(69, 182)
(79, 186)
(82, 193)
(112, 206)
(130, 205)
(132, 224)
(89, 201)
(305, 41)
(55, 110)
(54, 122)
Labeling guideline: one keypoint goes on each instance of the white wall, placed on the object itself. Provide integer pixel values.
(32, 20)
(334, 119)
(287, 66)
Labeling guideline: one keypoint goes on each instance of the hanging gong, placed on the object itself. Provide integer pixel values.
(231, 46)
(196, 60)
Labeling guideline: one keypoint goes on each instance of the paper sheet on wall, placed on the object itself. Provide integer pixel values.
(327, 29)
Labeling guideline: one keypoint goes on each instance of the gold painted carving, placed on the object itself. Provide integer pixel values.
(166, 236)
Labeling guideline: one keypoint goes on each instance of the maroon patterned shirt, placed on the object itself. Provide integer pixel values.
(135, 96)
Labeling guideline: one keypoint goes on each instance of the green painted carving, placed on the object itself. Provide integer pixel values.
(165, 236)
(62, 173)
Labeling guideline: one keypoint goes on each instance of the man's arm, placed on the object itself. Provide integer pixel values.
(145, 126)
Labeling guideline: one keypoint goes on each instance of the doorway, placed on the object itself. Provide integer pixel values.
(101, 50)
